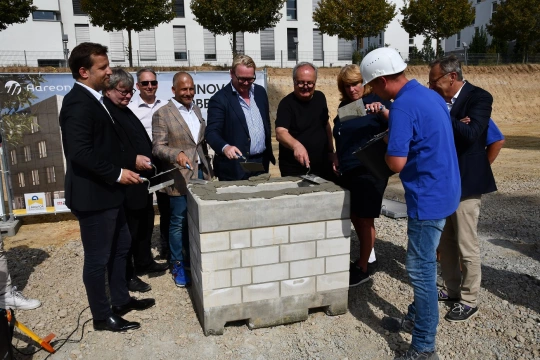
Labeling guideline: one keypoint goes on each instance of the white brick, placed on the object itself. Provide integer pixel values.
(194, 236)
(333, 281)
(240, 239)
(216, 279)
(298, 286)
(214, 241)
(269, 273)
(222, 297)
(297, 251)
(260, 292)
(331, 247)
(338, 228)
(260, 256)
(307, 268)
(220, 260)
(338, 263)
(309, 231)
(270, 236)
(241, 276)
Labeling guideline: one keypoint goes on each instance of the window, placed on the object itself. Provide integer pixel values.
(345, 49)
(458, 39)
(317, 45)
(27, 153)
(116, 49)
(291, 10)
(13, 154)
(42, 147)
(34, 127)
(381, 35)
(292, 35)
(77, 8)
(44, 15)
(267, 44)
(51, 62)
(411, 40)
(147, 45)
(494, 7)
(20, 176)
(209, 45)
(314, 5)
(82, 33)
(179, 8)
(35, 177)
(51, 177)
(179, 40)
(239, 42)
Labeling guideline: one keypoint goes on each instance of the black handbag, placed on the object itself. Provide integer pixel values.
(372, 156)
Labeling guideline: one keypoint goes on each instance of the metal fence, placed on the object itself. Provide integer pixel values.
(483, 59)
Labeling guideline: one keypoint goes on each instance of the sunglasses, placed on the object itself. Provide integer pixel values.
(145, 83)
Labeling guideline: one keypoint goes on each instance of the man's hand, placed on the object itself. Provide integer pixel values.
(300, 154)
(378, 108)
(143, 163)
(129, 177)
(231, 152)
(183, 161)
(466, 120)
(335, 162)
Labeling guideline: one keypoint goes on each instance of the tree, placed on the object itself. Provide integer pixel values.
(15, 12)
(353, 19)
(222, 17)
(517, 20)
(130, 15)
(479, 43)
(436, 19)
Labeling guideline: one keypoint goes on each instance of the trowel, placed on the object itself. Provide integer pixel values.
(312, 178)
(250, 166)
(154, 188)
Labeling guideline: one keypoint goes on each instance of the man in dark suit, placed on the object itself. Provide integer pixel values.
(139, 205)
(238, 123)
(459, 247)
(96, 178)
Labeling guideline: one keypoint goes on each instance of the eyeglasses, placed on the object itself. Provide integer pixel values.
(431, 83)
(308, 84)
(152, 82)
(245, 79)
(125, 93)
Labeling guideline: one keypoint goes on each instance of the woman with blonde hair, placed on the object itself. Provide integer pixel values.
(366, 190)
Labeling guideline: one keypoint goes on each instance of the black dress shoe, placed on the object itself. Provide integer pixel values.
(115, 323)
(137, 284)
(153, 267)
(133, 304)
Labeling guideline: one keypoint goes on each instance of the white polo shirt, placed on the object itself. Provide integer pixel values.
(145, 111)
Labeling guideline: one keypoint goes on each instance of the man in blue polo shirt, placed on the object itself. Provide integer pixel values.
(421, 148)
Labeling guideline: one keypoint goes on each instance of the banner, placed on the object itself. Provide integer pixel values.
(35, 203)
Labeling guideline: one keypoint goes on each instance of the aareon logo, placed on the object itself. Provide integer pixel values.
(13, 87)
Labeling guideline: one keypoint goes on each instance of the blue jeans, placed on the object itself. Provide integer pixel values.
(424, 236)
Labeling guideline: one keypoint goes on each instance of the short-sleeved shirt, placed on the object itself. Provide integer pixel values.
(306, 121)
(420, 129)
(494, 134)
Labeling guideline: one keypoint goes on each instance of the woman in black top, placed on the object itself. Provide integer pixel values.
(366, 191)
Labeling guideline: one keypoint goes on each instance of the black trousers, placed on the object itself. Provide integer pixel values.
(106, 242)
(164, 218)
(141, 226)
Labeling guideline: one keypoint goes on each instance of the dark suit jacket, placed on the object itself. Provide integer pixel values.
(140, 143)
(470, 139)
(95, 153)
(226, 124)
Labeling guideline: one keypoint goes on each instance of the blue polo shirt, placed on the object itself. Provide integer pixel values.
(420, 129)
(494, 134)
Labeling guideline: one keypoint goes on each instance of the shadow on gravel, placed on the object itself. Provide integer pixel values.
(530, 250)
(22, 261)
(522, 142)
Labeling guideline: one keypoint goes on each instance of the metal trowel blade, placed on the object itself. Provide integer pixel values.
(251, 166)
(314, 179)
(163, 185)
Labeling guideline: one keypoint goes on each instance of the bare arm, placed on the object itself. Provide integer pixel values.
(286, 139)
(494, 149)
(395, 163)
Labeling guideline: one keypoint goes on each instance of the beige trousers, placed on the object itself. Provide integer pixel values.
(459, 246)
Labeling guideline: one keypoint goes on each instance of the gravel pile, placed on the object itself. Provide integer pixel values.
(507, 327)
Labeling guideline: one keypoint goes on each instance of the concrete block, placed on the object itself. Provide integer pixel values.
(241, 276)
(259, 292)
(214, 241)
(331, 247)
(260, 256)
(240, 239)
(338, 263)
(222, 297)
(269, 273)
(300, 251)
(307, 268)
(333, 281)
(298, 286)
(266, 236)
(338, 228)
(212, 280)
(309, 231)
(220, 260)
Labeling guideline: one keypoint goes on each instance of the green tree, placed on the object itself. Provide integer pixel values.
(130, 15)
(222, 17)
(353, 19)
(15, 12)
(517, 20)
(479, 43)
(436, 19)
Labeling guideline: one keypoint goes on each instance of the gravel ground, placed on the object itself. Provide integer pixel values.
(507, 327)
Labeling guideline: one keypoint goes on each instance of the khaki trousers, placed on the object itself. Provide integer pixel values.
(5, 280)
(459, 246)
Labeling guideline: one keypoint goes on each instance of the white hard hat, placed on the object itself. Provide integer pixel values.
(381, 62)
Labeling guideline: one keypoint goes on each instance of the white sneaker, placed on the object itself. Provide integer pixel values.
(16, 300)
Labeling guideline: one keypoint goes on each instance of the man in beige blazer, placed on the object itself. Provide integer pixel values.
(178, 138)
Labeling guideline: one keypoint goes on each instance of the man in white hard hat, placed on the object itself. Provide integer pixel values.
(420, 148)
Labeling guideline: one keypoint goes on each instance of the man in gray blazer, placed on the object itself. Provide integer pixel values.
(178, 138)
